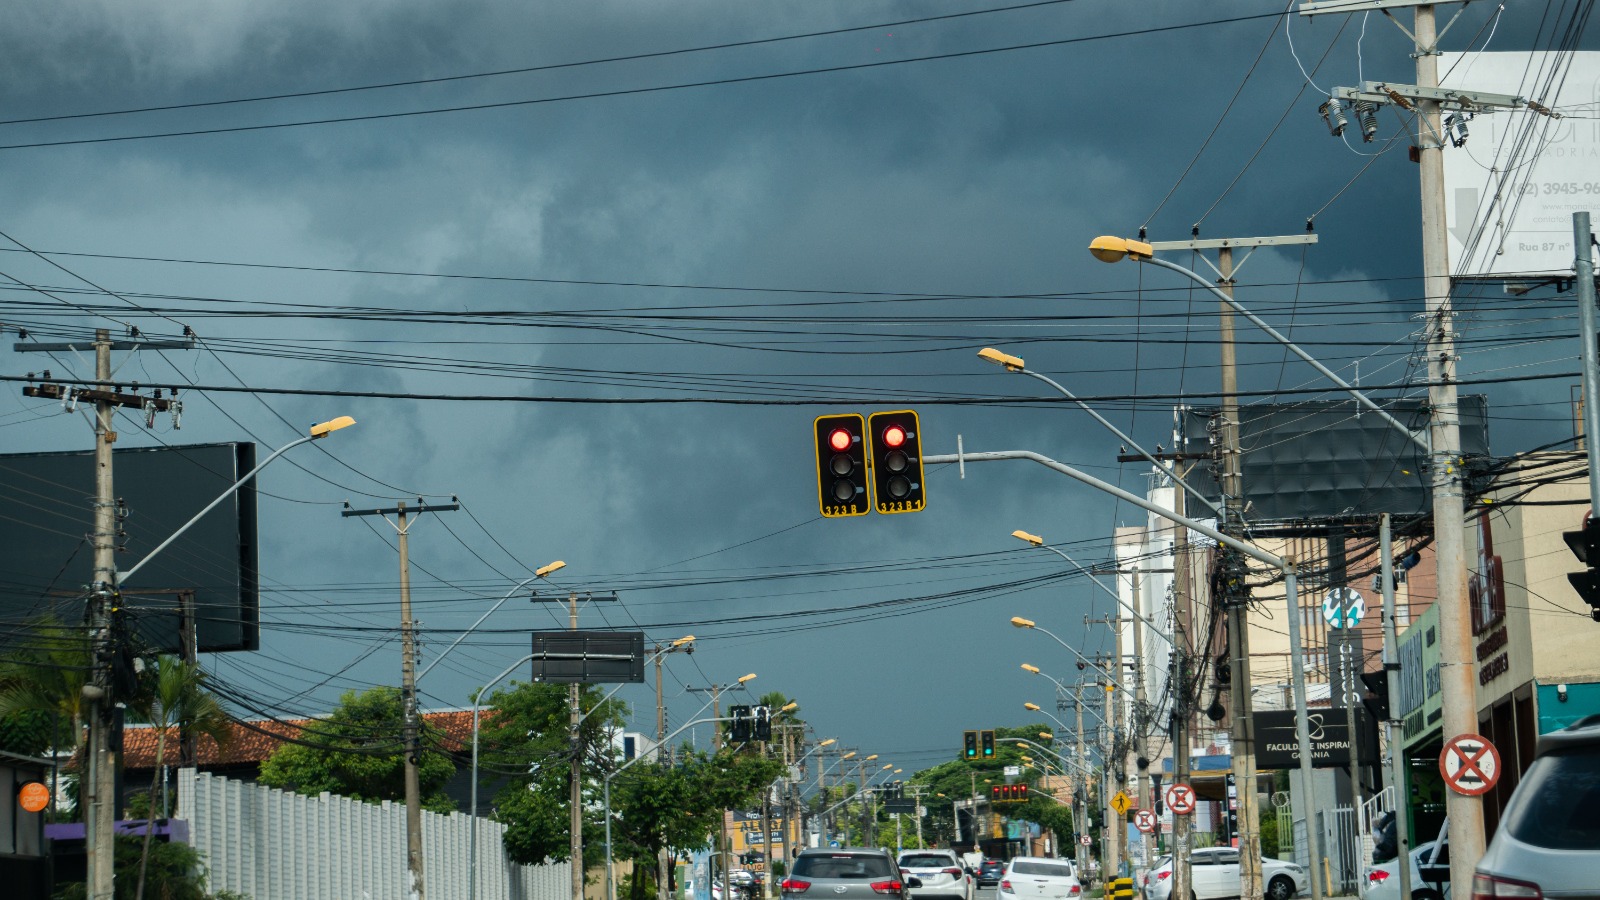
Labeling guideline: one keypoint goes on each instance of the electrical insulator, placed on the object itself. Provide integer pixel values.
(1367, 112)
(1333, 116)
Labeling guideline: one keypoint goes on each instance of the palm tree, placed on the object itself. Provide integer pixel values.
(46, 673)
(176, 699)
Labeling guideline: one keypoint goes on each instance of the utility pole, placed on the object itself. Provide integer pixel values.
(1141, 716)
(103, 595)
(411, 724)
(1235, 598)
(1083, 821)
(1117, 759)
(1391, 668)
(1181, 710)
(575, 793)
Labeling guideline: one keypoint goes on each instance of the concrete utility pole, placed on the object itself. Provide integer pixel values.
(1243, 743)
(1083, 821)
(1391, 667)
(103, 595)
(411, 723)
(1140, 734)
(575, 791)
(1181, 691)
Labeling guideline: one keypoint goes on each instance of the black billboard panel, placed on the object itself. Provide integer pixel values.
(1278, 746)
(1329, 460)
(48, 518)
(588, 657)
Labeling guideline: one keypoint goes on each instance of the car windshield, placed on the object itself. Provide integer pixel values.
(1553, 806)
(1023, 867)
(841, 865)
(925, 861)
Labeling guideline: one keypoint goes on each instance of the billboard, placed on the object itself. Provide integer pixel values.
(588, 657)
(1512, 187)
(49, 517)
(1329, 460)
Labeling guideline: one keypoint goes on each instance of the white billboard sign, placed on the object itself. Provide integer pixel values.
(1512, 187)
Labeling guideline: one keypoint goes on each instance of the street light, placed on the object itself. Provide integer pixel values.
(315, 433)
(1015, 364)
(1020, 622)
(1038, 541)
(540, 572)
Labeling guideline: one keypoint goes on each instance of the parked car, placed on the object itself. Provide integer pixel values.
(989, 872)
(1036, 877)
(941, 874)
(1548, 841)
(1214, 872)
(848, 873)
(1382, 881)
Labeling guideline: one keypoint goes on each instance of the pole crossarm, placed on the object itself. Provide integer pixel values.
(1250, 550)
(1408, 95)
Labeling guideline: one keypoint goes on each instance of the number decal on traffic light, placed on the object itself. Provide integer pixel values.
(842, 465)
(896, 439)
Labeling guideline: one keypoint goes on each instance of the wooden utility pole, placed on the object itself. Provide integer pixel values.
(411, 722)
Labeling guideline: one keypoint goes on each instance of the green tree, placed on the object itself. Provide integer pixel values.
(175, 698)
(176, 872)
(41, 683)
(357, 752)
(525, 739)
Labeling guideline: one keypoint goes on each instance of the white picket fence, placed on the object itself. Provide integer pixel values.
(272, 845)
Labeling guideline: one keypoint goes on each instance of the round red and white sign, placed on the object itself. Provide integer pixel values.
(1470, 764)
(1085, 840)
(1180, 799)
(1145, 820)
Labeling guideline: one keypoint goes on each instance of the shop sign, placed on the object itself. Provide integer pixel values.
(1278, 745)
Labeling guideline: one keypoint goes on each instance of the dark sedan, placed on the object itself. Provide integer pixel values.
(989, 872)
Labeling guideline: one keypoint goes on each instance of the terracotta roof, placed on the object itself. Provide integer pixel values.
(251, 742)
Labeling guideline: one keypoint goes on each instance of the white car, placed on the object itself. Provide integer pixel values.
(1214, 872)
(1383, 879)
(1040, 878)
(941, 874)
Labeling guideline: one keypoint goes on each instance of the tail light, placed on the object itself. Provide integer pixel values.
(887, 887)
(1488, 887)
(953, 871)
(1163, 875)
(795, 886)
(1377, 876)
(1005, 885)
(1075, 890)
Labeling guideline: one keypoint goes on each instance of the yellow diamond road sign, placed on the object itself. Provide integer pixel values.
(1121, 803)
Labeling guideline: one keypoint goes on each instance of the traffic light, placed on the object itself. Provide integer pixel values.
(741, 729)
(1376, 698)
(970, 750)
(842, 465)
(761, 729)
(1008, 793)
(1585, 546)
(986, 739)
(896, 441)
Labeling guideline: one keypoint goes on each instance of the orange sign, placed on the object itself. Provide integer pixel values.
(33, 796)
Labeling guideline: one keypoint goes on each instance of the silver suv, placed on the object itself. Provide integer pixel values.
(1548, 842)
(847, 873)
(941, 874)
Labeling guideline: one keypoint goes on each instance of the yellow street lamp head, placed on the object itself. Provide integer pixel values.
(1047, 736)
(1012, 363)
(1026, 759)
(1114, 249)
(1031, 707)
(848, 755)
(1033, 539)
(686, 639)
(1028, 668)
(870, 758)
(887, 766)
(542, 571)
(323, 429)
(898, 771)
(745, 678)
(828, 742)
(791, 706)
(1020, 622)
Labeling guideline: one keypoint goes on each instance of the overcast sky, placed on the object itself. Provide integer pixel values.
(814, 201)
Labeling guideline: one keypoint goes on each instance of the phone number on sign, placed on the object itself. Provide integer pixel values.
(1562, 188)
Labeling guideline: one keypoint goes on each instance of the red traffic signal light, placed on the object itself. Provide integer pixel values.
(897, 485)
(1008, 793)
(842, 465)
